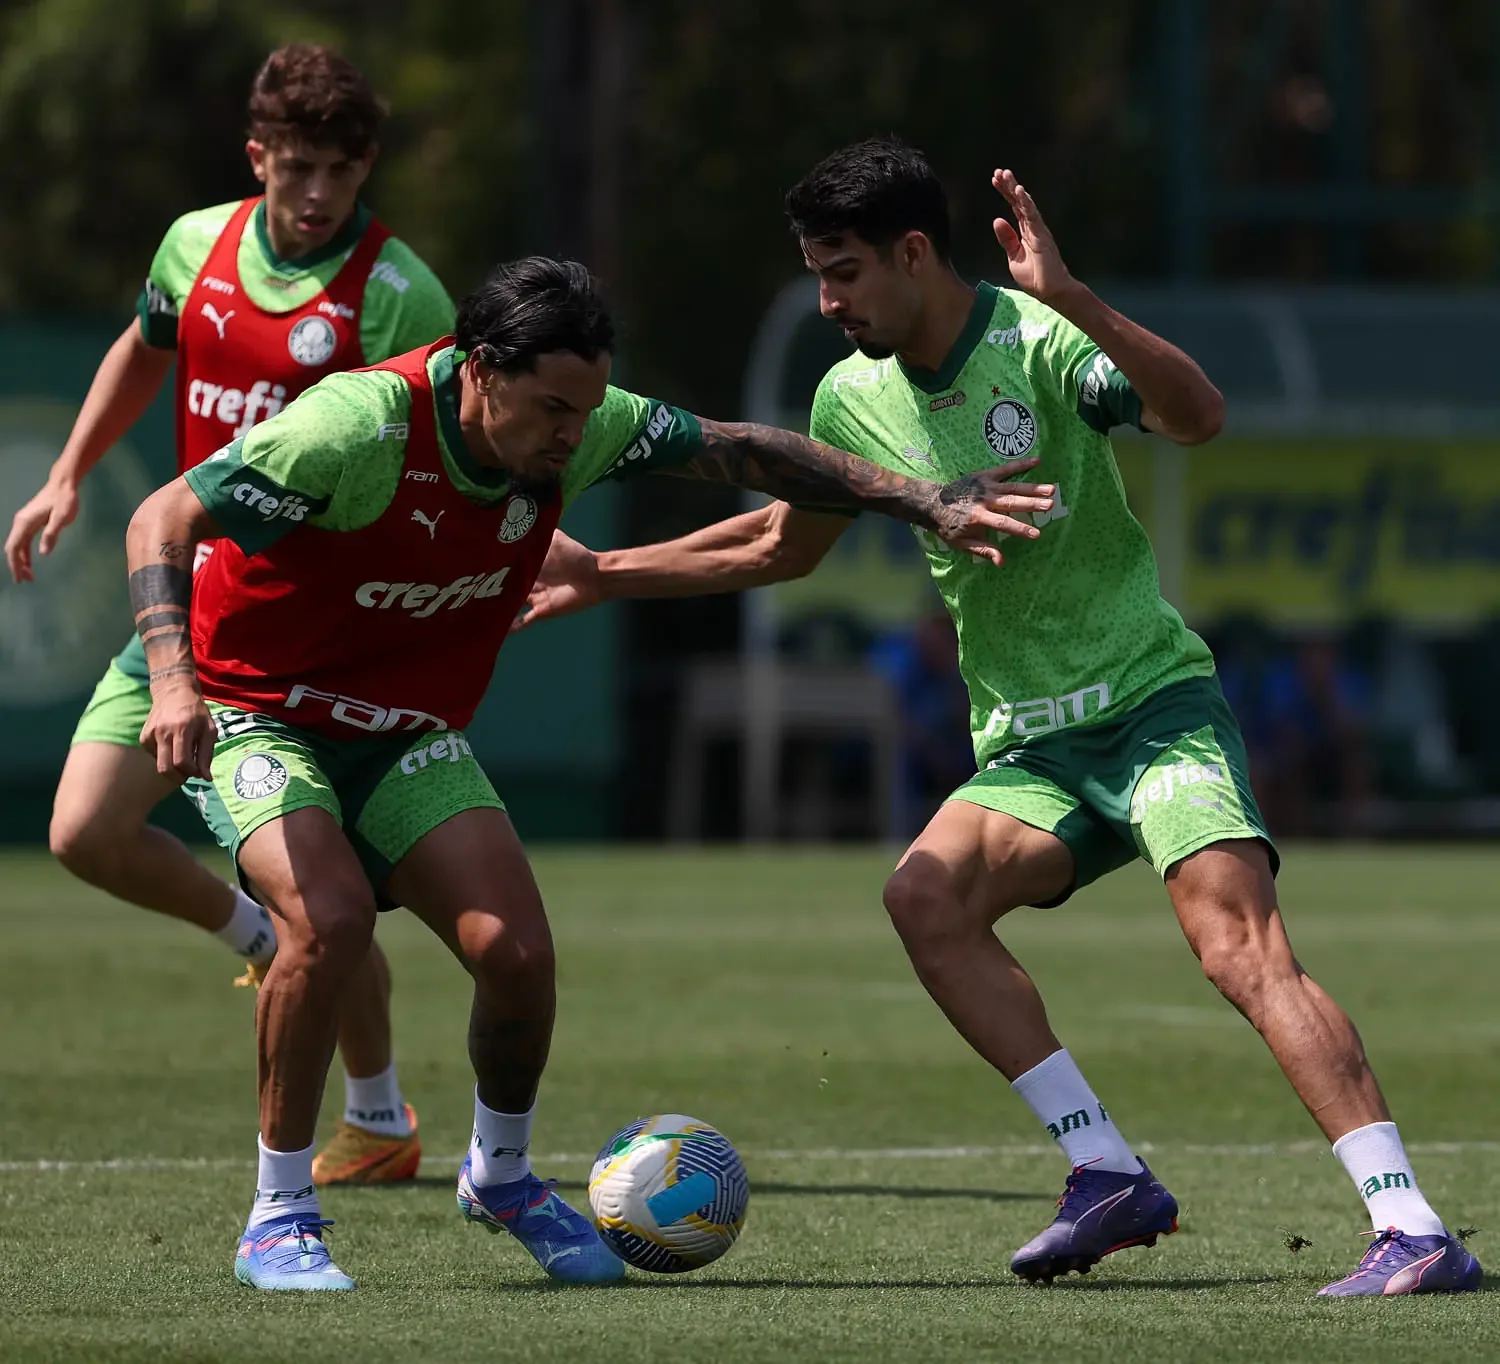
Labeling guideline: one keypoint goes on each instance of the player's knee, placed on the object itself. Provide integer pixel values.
(510, 957)
(925, 909)
(1242, 953)
(328, 929)
(84, 846)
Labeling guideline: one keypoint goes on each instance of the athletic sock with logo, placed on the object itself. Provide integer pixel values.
(1061, 1098)
(501, 1141)
(1376, 1161)
(374, 1103)
(283, 1185)
(249, 932)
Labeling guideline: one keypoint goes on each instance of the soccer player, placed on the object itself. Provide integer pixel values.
(1099, 729)
(256, 301)
(378, 539)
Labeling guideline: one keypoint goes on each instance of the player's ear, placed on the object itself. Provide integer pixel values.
(256, 151)
(914, 252)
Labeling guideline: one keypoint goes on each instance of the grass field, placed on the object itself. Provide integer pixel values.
(892, 1173)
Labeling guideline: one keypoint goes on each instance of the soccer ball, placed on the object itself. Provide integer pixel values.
(668, 1193)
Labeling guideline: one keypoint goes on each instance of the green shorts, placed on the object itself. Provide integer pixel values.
(386, 793)
(117, 711)
(1164, 780)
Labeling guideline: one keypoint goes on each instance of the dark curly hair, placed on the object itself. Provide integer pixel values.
(307, 91)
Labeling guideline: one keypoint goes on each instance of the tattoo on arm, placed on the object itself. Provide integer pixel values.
(797, 469)
(161, 595)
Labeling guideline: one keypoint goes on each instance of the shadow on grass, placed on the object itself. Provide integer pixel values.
(773, 1189)
(1175, 1285)
(674, 1283)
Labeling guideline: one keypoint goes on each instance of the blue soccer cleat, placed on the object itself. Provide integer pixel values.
(561, 1240)
(1100, 1212)
(1397, 1263)
(288, 1254)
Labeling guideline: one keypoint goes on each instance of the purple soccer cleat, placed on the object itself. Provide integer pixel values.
(1397, 1263)
(1100, 1212)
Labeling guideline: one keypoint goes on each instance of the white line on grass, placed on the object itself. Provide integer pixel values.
(128, 1165)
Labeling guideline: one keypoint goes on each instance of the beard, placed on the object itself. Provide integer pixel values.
(873, 350)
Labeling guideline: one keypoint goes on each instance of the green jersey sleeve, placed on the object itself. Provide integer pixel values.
(182, 254)
(405, 305)
(331, 459)
(628, 435)
(828, 426)
(1085, 379)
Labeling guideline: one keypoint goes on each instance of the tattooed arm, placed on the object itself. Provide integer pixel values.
(798, 469)
(159, 546)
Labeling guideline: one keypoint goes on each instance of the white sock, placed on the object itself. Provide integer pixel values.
(1061, 1098)
(283, 1185)
(1377, 1163)
(249, 932)
(375, 1104)
(501, 1141)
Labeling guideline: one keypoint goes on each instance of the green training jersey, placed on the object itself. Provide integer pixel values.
(1073, 627)
(404, 304)
(333, 457)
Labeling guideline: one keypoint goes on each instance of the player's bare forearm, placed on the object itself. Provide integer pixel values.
(159, 547)
(965, 513)
(768, 545)
(767, 459)
(128, 378)
(1176, 395)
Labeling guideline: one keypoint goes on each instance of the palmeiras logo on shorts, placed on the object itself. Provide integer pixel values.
(258, 776)
(1010, 428)
(520, 517)
(313, 341)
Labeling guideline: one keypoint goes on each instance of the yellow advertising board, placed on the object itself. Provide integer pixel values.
(1314, 532)
(1301, 532)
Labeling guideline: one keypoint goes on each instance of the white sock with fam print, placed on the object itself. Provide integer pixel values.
(283, 1185)
(249, 932)
(374, 1103)
(1061, 1098)
(501, 1141)
(1376, 1161)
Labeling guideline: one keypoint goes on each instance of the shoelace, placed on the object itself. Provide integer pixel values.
(301, 1229)
(1078, 1176)
(1383, 1242)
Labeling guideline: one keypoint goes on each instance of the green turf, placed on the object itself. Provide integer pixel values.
(766, 994)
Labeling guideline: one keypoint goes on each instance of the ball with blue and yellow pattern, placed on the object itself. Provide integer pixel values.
(668, 1193)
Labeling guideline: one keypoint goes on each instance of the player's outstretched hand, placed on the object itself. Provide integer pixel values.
(48, 512)
(568, 582)
(972, 508)
(1036, 264)
(179, 732)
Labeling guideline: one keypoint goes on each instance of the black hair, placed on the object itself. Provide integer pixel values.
(528, 307)
(879, 189)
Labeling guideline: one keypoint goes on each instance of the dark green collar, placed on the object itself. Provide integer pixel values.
(936, 380)
(445, 394)
(342, 241)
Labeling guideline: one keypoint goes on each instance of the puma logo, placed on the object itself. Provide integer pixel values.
(420, 517)
(212, 314)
